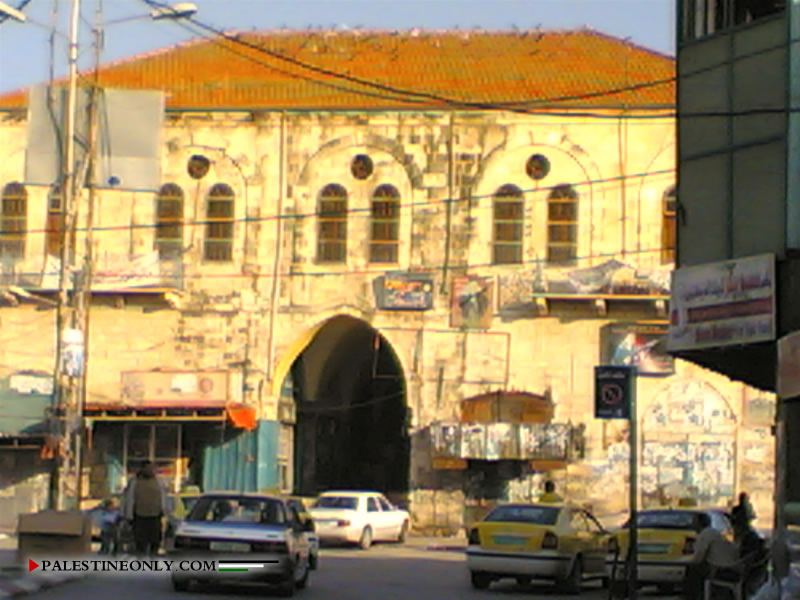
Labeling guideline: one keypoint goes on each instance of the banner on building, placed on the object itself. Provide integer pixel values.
(637, 345)
(175, 389)
(723, 304)
(404, 291)
(72, 352)
(472, 302)
(789, 365)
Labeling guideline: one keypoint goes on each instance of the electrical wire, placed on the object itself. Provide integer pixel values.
(413, 96)
(365, 211)
(384, 268)
(302, 407)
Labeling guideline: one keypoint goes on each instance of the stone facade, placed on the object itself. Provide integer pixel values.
(264, 306)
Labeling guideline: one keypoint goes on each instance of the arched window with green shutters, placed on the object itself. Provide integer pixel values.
(385, 225)
(562, 225)
(508, 225)
(169, 222)
(219, 224)
(332, 224)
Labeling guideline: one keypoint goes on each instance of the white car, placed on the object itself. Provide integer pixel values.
(359, 518)
(235, 527)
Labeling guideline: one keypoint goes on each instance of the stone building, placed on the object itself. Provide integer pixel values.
(382, 260)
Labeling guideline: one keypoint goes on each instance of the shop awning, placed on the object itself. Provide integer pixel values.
(242, 416)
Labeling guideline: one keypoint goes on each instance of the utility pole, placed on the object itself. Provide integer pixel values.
(63, 382)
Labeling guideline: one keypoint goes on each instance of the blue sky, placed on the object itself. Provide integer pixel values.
(25, 50)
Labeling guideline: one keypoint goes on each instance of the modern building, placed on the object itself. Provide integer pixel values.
(385, 260)
(736, 286)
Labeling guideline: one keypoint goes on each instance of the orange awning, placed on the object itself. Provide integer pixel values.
(242, 416)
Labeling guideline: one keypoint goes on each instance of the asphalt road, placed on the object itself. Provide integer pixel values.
(385, 572)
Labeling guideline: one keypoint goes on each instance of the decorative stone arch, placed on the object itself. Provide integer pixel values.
(391, 167)
(284, 364)
(506, 165)
(375, 142)
(650, 193)
(688, 444)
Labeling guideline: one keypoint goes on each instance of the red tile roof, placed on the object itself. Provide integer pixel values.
(525, 68)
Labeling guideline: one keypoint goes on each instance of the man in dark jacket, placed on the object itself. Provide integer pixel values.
(145, 503)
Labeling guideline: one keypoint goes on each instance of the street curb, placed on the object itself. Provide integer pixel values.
(34, 583)
(437, 548)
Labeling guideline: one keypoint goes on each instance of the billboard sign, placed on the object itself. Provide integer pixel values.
(789, 365)
(723, 304)
(638, 345)
(404, 291)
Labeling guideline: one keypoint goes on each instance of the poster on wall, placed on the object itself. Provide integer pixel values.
(501, 441)
(473, 441)
(471, 304)
(404, 291)
(637, 345)
(446, 440)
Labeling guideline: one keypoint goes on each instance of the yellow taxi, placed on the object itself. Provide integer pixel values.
(559, 542)
(666, 544)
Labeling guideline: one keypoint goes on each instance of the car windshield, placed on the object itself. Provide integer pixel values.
(539, 515)
(233, 509)
(667, 519)
(343, 502)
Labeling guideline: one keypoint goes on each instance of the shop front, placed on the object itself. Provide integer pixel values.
(168, 418)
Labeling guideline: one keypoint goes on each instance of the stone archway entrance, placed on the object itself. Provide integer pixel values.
(689, 445)
(351, 414)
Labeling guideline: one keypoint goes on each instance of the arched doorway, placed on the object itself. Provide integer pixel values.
(689, 445)
(351, 412)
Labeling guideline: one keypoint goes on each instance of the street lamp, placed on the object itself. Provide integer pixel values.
(70, 188)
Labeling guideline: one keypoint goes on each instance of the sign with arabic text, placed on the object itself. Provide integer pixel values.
(723, 304)
(404, 291)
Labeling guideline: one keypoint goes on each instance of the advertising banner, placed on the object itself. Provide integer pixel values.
(637, 345)
(404, 291)
(723, 304)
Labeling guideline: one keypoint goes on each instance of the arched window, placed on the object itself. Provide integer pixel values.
(13, 221)
(219, 224)
(56, 221)
(669, 231)
(385, 225)
(509, 209)
(562, 225)
(169, 222)
(332, 224)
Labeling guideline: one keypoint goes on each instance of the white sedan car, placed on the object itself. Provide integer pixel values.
(358, 518)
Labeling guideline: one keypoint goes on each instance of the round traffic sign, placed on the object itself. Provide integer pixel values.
(611, 393)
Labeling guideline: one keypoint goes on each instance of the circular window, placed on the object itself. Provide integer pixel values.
(361, 167)
(198, 166)
(537, 167)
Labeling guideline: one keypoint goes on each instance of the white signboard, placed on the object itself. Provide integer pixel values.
(723, 304)
(789, 365)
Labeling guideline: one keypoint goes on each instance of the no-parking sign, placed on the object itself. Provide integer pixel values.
(614, 389)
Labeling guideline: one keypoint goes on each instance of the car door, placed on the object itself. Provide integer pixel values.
(376, 518)
(393, 518)
(298, 531)
(599, 537)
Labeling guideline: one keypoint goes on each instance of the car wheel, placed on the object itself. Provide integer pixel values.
(401, 537)
(180, 585)
(301, 574)
(574, 581)
(480, 581)
(366, 538)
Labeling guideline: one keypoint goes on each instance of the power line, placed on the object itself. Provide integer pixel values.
(413, 96)
(367, 211)
(385, 268)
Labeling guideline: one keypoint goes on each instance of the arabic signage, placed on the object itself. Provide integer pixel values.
(404, 291)
(119, 272)
(637, 345)
(723, 304)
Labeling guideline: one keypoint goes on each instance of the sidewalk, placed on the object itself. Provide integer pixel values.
(15, 581)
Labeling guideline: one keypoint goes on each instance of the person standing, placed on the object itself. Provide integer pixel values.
(145, 503)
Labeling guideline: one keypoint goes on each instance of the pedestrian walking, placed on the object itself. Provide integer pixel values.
(144, 505)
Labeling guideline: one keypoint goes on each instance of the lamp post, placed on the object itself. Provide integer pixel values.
(70, 383)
